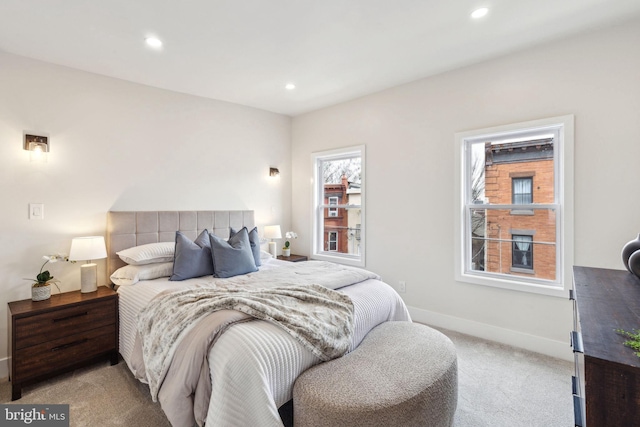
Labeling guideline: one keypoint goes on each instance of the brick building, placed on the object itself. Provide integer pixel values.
(520, 241)
(341, 225)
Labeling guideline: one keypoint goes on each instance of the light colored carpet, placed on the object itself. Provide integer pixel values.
(498, 386)
(503, 386)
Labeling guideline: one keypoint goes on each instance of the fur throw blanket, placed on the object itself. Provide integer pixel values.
(320, 318)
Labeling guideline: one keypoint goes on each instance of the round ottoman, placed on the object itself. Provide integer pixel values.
(402, 374)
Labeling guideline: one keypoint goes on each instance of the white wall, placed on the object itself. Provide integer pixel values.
(121, 146)
(409, 134)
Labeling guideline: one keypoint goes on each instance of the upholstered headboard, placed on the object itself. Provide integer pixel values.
(128, 229)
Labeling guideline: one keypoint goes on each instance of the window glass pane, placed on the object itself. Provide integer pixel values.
(333, 171)
(497, 171)
(344, 236)
(509, 244)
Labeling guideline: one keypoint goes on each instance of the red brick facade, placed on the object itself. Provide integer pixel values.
(336, 220)
(502, 225)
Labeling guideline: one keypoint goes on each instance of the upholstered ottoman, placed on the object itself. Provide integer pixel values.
(402, 374)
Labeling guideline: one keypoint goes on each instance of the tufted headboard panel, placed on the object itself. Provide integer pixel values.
(133, 228)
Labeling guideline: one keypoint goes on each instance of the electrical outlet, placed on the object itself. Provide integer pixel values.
(402, 286)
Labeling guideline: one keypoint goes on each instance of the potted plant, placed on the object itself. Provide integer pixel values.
(41, 286)
(286, 250)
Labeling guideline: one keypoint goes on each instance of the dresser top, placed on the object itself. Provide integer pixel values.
(607, 300)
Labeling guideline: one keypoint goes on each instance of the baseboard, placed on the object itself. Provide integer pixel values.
(546, 346)
(4, 369)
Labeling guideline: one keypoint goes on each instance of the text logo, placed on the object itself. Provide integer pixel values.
(34, 415)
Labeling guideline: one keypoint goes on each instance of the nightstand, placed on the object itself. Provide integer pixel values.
(66, 331)
(293, 258)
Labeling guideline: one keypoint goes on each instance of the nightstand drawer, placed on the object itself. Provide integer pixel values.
(53, 355)
(33, 330)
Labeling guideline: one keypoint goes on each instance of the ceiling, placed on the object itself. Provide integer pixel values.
(246, 51)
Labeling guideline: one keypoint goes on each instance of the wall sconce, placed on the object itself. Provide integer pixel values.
(274, 172)
(37, 146)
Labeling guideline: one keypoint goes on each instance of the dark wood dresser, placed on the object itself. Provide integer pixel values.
(609, 393)
(59, 334)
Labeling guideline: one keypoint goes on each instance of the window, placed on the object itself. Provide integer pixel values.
(522, 191)
(515, 206)
(333, 201)
(332, 241)
(522, 252)
(339, 226)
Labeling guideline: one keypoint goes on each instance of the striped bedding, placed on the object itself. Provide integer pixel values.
(254, 364)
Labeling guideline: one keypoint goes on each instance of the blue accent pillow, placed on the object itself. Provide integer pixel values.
(192, 259)
(254, 240)
(232, 257)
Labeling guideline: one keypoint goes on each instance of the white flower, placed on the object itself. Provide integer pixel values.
(55, 257)
(289, 235)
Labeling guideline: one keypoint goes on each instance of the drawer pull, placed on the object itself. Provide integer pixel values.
(575, 385)
(578, 411)
(71, 344)
(70, 317)
(576, 342)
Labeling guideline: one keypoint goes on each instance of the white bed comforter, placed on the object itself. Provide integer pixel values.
(253, 365)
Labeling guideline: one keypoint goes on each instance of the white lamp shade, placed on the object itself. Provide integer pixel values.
(272, 232)
(87, 248)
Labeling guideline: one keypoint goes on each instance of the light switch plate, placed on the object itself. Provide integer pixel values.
(36, 210)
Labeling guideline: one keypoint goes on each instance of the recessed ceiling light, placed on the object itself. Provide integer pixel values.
(290, 86)
(153, 42)
(479, 13)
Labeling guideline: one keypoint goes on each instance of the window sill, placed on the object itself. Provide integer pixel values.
(523, 212)
(338, 259)
(522, 270)
(554, 290)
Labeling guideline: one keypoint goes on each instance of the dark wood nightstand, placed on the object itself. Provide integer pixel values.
(293, 258)
(56, 335)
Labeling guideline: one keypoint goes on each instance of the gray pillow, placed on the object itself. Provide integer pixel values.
(192, 259)
(232, 257)
(254, 240)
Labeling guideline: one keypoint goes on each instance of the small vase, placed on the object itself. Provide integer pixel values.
(286, 252)
(628, 249)
(40, 293)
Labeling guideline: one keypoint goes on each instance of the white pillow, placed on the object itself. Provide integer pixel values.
(265, 256)
(148, 254)
(132, 274)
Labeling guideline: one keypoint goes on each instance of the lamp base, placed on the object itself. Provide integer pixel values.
(88, 278)
(273, 250)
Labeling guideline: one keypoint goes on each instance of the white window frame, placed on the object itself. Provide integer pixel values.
(563, 126)
(318, 206)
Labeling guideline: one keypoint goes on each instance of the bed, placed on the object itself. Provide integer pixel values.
(253, 365)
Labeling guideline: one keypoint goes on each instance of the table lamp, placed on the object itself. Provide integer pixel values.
(88, 249)
(272, 232)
